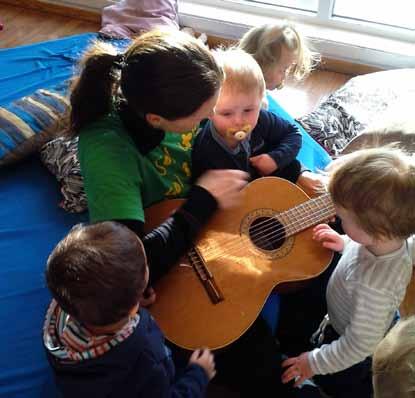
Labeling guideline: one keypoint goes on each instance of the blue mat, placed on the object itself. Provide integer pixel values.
(27, 68)
(31, 223)
(30, 226)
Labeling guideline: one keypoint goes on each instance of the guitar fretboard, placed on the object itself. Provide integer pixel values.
(308, 214)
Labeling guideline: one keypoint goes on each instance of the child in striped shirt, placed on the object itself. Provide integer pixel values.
(371, 190)
(98, 340)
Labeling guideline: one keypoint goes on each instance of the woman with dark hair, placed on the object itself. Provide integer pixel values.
(136, 114)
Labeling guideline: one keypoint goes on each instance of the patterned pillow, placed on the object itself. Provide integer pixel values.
(28, 123)
(60, 156)
(331, 126)
(357, 105)
(396, 127)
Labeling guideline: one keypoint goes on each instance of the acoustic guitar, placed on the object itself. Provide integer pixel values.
(212, 296)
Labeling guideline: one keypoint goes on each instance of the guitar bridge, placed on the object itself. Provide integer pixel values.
(205, 276)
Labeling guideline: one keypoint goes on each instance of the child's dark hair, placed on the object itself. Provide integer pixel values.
(170, 74)
(97, 272)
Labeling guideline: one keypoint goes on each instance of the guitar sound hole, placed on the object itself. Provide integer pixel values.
(267, 233)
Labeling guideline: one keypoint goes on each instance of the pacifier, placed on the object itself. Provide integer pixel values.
(240, 134)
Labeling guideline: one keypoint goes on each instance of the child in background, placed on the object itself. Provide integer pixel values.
(280, 50)
(394, 362)
(98, 339)
(371, 191)
(241, 135)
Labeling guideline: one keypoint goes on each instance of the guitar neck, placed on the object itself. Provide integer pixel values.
(308, 214)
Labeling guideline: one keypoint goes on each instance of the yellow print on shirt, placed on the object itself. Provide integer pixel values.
(187, 139)
(186, 169)
(166, 161)
(176, 187)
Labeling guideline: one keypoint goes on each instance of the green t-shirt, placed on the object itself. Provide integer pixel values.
(119, 181)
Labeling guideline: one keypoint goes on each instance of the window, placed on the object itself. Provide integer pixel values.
(397, 13)
(392, 19)
(304, 5)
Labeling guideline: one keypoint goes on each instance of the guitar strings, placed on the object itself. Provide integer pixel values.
(309, 205)
(298, 220)
(284, 229)
(235, 243)
(276, 234)
(305, 206)
(270, 221)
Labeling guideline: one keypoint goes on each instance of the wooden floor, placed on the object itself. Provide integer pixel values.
(301, 98)
(25, 26)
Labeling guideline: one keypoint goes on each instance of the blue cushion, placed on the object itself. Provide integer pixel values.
(28, 123)
(312, 155)
(29, 112)
(33, 92)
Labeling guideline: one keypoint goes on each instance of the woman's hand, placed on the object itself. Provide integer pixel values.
(205, 359)
(224, 185)
(264, 164)
(311, 183)
(328, 238)
(298, 368)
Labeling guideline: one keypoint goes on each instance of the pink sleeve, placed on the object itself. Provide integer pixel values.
(128, 18)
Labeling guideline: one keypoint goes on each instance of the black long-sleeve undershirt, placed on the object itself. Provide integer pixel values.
(165, 244)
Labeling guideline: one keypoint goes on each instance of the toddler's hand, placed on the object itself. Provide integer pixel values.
(148, 297)
(328, 237)
(205, 359)
(298, 368)
(264, 164)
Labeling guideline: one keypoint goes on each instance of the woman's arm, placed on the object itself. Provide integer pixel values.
(165, 244)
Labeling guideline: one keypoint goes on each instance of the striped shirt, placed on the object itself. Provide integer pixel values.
(362, 295)
(67, 339)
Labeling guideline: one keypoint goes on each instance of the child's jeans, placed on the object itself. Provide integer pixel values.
(354, 382)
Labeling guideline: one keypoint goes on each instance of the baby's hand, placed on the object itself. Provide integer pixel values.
(328, 237)
(298, 368)
(312, 183)
(264, 164)
(148, 297)
(205, 359)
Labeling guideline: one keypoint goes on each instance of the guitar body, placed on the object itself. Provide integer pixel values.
(244, 265)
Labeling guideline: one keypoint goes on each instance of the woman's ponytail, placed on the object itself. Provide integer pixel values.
(92, 90)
